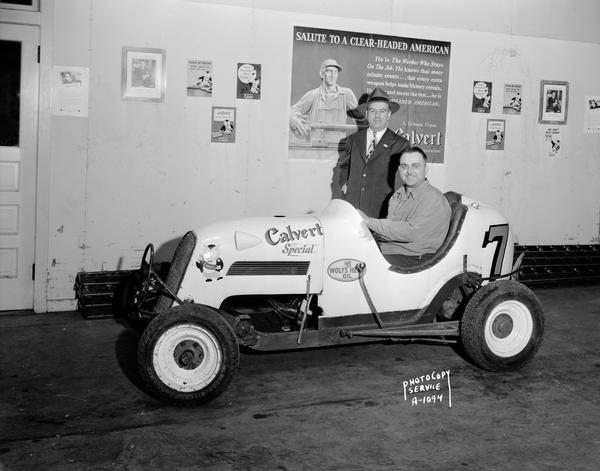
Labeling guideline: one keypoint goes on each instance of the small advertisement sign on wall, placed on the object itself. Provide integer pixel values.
(223, 124)
(552, 141)
(482, 97)
(591, 118)
(70, 91)
(512, 99)
(495, 134)
(248, 81)
(199, 78)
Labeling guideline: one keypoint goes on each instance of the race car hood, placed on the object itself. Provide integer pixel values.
(258, 255)
(276, 255)
(266, 238)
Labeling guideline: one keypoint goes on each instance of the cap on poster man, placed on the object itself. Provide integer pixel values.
(330, 63)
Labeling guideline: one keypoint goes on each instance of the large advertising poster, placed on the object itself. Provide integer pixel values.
(413, 72)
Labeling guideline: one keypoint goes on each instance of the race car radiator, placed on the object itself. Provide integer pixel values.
(181, 259)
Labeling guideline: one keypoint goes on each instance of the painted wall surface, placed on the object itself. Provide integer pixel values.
(138, 172)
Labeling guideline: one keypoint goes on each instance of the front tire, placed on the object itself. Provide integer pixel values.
(188, 355)
(502, 326)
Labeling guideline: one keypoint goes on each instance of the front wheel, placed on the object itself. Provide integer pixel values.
(188, 355)
(502, 326)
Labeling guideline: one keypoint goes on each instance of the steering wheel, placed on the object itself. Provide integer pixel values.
(145, 273)
(147, 261)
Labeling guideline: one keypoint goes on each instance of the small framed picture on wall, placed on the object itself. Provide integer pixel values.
(554, 102)
(144, 74)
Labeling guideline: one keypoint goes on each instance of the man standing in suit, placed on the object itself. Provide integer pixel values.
(367, 169)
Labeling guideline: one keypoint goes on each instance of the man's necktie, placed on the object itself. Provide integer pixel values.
(371, 147)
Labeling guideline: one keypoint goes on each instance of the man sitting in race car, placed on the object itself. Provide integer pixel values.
(418, 215)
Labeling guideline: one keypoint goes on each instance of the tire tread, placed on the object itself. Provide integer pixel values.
(188, 313)
(473, 322)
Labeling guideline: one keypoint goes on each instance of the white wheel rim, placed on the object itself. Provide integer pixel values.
(187, 357)
(508, 328)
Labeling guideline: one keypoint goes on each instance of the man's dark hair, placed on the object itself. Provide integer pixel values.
(416, 149)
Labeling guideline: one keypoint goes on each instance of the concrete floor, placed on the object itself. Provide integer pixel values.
(69, 400)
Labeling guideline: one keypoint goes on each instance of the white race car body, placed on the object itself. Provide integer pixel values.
(277, 283)
(277, 255)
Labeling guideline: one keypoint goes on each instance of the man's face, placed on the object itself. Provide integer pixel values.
(413, 169)
(330, 75)
(378, 115)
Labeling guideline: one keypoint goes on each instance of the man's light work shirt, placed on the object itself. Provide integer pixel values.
(417, 221)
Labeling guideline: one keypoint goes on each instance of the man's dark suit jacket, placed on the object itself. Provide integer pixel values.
(369, 183)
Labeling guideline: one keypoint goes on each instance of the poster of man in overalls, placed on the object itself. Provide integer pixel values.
(334, 71)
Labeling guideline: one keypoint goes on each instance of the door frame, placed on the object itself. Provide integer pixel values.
(42, 219)
(44, 20)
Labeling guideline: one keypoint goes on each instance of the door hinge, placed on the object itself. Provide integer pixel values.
(38, 54)
(33, 272)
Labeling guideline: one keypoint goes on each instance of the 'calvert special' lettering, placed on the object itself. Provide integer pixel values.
(294, 250)
(274, 236)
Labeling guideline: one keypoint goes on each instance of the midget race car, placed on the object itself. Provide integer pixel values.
(281, 283)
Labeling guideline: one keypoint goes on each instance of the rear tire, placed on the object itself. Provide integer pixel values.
(188, 355)
(502, 326)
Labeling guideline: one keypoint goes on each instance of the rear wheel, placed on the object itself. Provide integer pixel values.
(502, 326)
(188, 355)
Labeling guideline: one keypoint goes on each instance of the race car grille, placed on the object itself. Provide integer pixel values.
(268, 268)
(180, 261)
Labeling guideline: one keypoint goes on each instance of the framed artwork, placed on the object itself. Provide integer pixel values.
(144, 74)
(554, 102)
